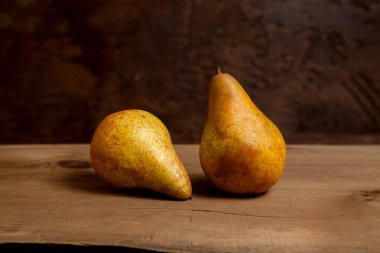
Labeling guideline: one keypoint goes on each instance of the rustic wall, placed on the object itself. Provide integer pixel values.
(313, 66)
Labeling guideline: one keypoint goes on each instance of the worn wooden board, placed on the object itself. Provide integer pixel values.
(328, 200)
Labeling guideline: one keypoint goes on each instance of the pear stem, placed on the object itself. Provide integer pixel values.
(219, 71)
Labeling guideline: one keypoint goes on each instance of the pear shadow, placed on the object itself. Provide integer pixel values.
(86, 180)
(79, 176)
(202, 186)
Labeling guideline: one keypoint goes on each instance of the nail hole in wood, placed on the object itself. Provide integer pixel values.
(373, 195)
(75, 164)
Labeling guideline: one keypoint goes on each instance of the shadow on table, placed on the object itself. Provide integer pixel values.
(83, 178)
(88, 181)
(64, 248)
(203, 187)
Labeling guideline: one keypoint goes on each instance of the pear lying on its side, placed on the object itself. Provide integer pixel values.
(241, 150)
(133, 149)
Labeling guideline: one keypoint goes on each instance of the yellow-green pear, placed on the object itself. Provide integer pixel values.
(133, 149)
(241, 150)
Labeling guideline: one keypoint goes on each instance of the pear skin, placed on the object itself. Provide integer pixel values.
(241, 150)
(133, 149)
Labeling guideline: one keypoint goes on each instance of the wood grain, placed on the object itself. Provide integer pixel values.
(328, 200)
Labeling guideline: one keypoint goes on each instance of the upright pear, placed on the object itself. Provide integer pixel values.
(133, 149)
(241, 150)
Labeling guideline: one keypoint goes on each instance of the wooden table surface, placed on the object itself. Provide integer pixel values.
(328, 200)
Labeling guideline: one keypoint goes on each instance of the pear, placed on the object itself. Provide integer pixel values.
(241, 150)
(132, 149)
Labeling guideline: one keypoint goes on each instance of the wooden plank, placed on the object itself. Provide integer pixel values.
(328, 200)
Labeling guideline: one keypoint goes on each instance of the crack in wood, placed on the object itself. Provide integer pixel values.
(244, 215)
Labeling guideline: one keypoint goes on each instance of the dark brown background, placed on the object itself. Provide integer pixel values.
(313, 66)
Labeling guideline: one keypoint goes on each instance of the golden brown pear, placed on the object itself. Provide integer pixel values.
(241, 150)
(133, 149)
